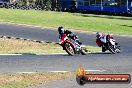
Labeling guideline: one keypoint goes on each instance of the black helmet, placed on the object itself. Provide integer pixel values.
(60, 30)
(98, 35)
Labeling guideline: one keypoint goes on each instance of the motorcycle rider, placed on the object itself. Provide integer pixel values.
(102, 39)
(69, 34)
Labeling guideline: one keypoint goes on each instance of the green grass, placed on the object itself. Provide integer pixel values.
(93, 48)
(19, 84)
(85, 22)
(24, 80)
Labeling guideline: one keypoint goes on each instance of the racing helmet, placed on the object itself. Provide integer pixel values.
(60, 30)
(98, 35)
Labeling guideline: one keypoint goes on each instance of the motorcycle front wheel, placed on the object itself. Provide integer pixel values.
(118, 50)
(111, 48)
(69, 49)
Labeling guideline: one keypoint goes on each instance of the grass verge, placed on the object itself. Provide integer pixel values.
(83, 22)
(93, 49)
(12, 46)
(24, 80)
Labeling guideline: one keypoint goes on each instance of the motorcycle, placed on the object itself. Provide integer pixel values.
(111, 45)
(71, 46)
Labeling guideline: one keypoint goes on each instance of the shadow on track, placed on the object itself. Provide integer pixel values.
(101, 53)
(66, 55)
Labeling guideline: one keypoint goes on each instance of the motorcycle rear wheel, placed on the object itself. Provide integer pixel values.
(83, 51)
(103, 49)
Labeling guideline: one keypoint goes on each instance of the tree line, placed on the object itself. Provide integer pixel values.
(49, 4)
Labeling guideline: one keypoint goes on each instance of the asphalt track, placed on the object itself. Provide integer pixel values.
(109, 63)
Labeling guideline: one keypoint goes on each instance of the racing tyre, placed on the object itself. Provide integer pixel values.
(103, 49)
(118, 50)
(69, 49)
(111, 48)
(83, 51)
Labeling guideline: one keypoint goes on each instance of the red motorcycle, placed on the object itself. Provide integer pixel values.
(71, 46)
(110, 45)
